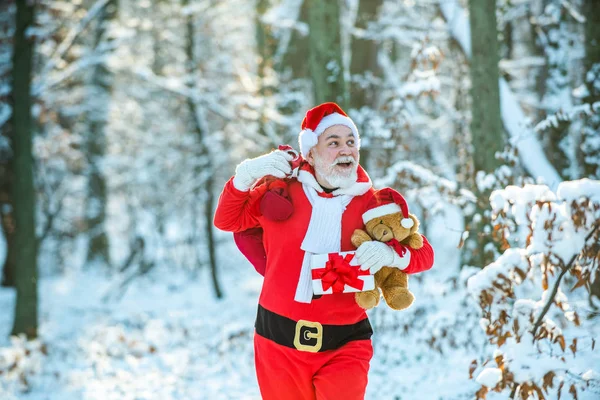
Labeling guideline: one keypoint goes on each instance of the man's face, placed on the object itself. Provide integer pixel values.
(335, 157)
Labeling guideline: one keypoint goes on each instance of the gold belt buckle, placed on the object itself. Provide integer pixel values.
(312, 330)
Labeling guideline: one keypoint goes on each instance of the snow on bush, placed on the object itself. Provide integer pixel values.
(536, 299)
(19, 363)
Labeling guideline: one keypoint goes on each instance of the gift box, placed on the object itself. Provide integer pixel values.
(338, 273)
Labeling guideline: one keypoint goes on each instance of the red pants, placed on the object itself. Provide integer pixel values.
(288, 374)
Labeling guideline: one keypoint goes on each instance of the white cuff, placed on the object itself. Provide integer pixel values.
(401, 262)
(242, 180)
(240, 185)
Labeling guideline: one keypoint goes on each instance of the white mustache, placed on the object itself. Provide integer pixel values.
(344, 159)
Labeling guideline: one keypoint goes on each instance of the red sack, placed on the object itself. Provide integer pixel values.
(274, 205)
(250, 243)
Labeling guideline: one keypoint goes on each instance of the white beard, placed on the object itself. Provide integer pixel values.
(336, 178)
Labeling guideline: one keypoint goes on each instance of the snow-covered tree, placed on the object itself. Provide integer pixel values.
(534, 298)
(100, 87)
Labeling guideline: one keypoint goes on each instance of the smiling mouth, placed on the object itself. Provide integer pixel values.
(345, 164)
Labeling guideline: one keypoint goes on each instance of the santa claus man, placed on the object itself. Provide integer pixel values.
(309, 347)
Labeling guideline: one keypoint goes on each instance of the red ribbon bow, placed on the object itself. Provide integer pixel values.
(397, 246)
(338, 272)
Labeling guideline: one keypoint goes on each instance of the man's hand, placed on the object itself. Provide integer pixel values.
(374, 255)
(276, 163)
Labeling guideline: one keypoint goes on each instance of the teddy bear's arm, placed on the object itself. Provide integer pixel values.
(415, 241)
(359, 237)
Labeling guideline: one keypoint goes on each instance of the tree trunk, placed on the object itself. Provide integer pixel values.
(265, 46)
(589, 150)
(364, 57)
(7, 23)
(98, 251)
(198, 127)
(8, 230)
(557, 84)
(157, 43)
(486, 123)
(296, 54)
(325, 52)
(542, 77)
(23, 188)
(208, 217)
(363, 67)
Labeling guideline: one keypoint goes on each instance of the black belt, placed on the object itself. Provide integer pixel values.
(307, 335)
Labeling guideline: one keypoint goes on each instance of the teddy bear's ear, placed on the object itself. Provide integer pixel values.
(415, 226)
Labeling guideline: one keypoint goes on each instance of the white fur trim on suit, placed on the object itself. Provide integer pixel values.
(308, 138)
(381, 211)
(336, 119)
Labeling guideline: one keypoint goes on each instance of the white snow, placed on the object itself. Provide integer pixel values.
(169, 338)
(576, 190)
(489, 377)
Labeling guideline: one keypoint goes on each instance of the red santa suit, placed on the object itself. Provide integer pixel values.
(309, 348)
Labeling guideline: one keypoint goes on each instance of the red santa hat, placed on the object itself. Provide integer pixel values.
(387, 201)
(318, 119)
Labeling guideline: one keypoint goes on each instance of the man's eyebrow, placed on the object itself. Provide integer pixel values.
(335, 136)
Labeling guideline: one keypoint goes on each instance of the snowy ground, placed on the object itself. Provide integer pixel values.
(169, 338)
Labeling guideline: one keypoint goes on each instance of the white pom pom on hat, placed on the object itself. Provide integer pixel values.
(319, 118)
(387, 201)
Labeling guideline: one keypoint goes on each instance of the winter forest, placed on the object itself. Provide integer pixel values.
(121, 121)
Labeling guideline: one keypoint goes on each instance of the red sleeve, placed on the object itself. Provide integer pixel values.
(420, 259)
(235, 211)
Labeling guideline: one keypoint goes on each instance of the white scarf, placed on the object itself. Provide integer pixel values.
(324, 234)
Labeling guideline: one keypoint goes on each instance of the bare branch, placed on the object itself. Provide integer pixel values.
(183, 91)
(76, 66)
(66, 44)
(557, 283)
(50, 218)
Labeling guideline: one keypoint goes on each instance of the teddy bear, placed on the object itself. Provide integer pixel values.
(389, 222)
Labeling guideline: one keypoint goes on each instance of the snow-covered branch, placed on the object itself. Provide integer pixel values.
(66, 44)
(552, 121)
(548, 235)
(177, 86)
(41, 86)
(411, 174)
